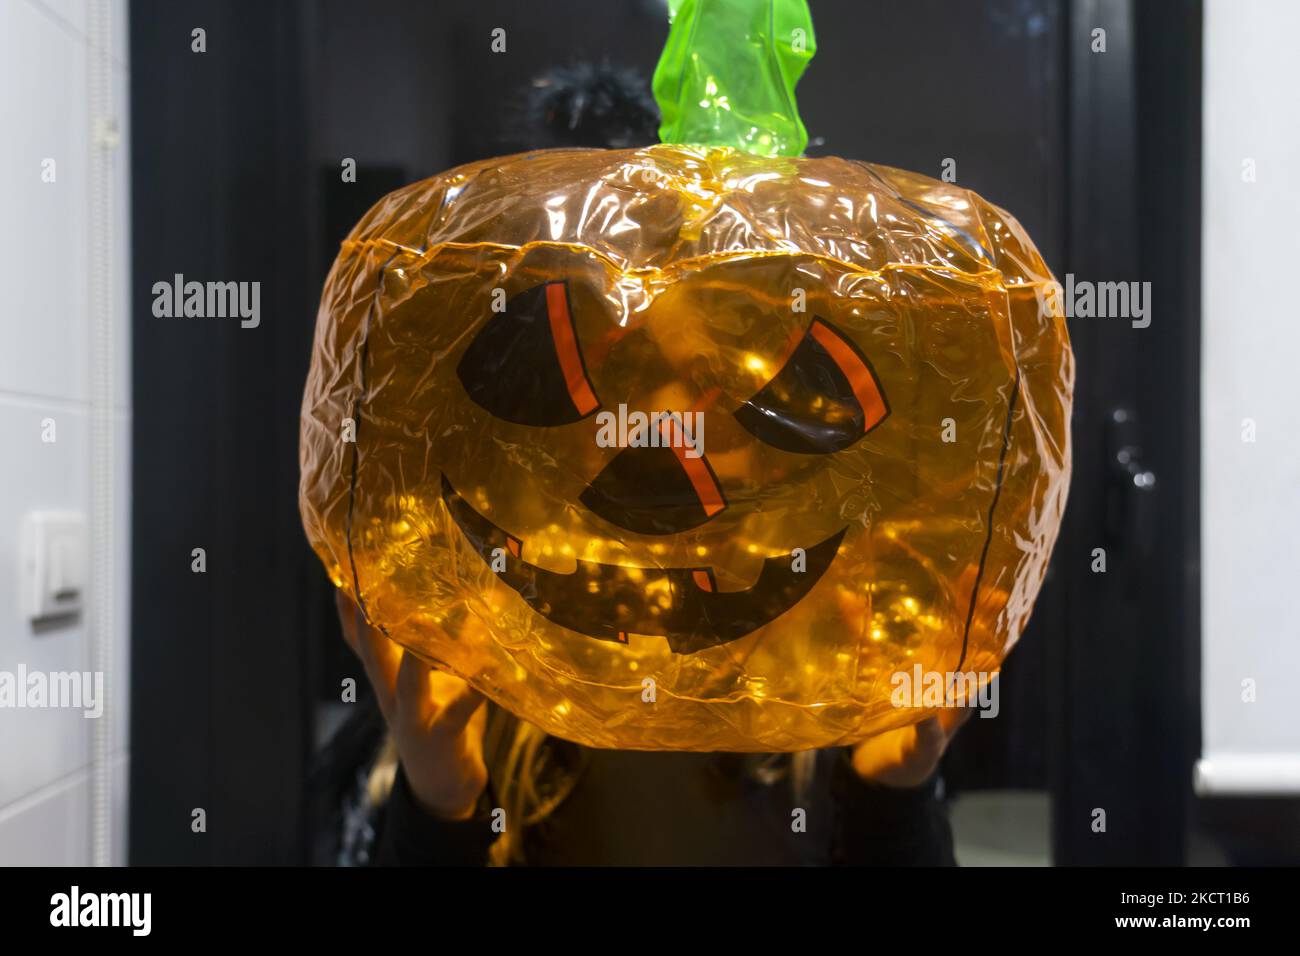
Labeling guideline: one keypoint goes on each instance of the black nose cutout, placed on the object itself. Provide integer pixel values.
(655, 491)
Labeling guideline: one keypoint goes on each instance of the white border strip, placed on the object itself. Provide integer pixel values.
(1265, 775)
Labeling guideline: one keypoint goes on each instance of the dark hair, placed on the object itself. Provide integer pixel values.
(586, 104)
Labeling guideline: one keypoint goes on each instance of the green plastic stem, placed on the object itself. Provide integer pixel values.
(728, 72)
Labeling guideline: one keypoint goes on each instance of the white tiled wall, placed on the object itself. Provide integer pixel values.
(45, 791)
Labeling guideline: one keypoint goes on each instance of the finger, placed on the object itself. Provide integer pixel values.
(347, 619)
(443, 687)
(380, 657)
(884, 756)
(953, 717)
(415, 704)
(456, 715)
(929, 741)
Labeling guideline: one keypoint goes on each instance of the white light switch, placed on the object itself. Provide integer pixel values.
(53, 564)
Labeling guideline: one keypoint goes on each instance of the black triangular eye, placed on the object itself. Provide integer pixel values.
(525, 366)
(823, 400)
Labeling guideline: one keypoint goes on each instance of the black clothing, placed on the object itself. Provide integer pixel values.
(688, 809)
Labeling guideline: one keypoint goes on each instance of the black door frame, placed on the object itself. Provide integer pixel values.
(1125, 715)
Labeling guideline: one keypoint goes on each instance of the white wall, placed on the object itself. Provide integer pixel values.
(45, 793)
(1250, 506)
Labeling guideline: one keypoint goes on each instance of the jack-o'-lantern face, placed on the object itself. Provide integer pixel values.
(686, 449)
(526, 366)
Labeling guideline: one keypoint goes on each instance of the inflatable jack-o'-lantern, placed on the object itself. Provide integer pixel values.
(696, 446)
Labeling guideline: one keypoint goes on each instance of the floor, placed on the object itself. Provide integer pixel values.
(1002, 828)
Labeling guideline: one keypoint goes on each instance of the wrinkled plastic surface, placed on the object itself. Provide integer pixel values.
(728, 72)
(680, 272)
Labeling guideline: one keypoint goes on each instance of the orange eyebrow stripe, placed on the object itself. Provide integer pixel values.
(791, 346)
(865, 388)
(566, 349)
(702, 480)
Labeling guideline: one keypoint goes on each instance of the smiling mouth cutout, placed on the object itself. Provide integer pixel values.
(609, 601)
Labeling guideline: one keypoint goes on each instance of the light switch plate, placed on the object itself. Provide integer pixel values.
(53, 564)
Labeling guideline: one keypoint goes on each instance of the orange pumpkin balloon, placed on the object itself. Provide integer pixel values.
(685, 448)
